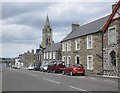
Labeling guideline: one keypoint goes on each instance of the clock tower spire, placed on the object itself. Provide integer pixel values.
(46, 34)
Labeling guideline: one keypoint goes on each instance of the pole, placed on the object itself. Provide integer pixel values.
(102, 55)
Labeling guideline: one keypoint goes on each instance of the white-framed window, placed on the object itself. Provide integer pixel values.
(64, 58)
(44, 55)
(53, 54)
(77, 59)
(47, 55)
(112, 35)
(68, 59)
(89, 42)
(90, 62)
(77, 44)
(68, 45)
(64, 46)
(50, 55)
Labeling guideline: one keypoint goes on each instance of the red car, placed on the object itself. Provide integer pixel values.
(74, 69)
(56, 66)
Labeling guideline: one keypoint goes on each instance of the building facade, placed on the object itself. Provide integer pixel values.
(52, 53)
(111, 43)
(38, 56)
(27, 58)
(83, 46)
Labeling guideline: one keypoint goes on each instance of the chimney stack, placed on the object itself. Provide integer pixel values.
(75, 26)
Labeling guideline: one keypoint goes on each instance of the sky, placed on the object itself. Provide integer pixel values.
(21, 23)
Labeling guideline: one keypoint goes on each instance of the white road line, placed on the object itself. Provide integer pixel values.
(51, 80)
(77, 88)
(110, 81)
(92, 78)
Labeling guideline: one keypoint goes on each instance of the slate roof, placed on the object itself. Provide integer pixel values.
(89, 28)
(55, 47)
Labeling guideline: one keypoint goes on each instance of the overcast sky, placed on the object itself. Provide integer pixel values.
(21, 23)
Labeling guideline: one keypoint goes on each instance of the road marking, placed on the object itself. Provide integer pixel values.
(92, 78)
(77, 88)
(51, 80)
(109, 81)
(33, 75)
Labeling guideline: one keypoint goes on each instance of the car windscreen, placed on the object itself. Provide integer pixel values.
(45, 65)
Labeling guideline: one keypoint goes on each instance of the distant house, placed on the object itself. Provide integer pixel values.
(52, 52)
(38, 56)
(111, 41)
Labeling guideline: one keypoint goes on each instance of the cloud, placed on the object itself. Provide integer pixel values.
(22, 23)
(13, 33)
(13, 49)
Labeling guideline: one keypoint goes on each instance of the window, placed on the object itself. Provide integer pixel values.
(54, 55)
(77, 44)
(69, 45)
(89, 42)
(90, 62)
(64, 59)
(44, 55)
(77, 59)
(64, 46)
(113, 57)
(47, 55)
(68, 59)
(111, 35)
(50, 55)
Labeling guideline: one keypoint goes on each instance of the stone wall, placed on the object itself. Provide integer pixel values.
(108, 67)
(83, 52)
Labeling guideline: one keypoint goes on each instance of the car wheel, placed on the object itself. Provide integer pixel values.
(53, 71)
(83, 74)
(63, 72)
(48, 71)
(71, 73)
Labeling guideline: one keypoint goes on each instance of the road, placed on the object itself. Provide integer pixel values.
(25, 80)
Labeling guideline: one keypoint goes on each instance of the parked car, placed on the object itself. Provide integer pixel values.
(56, 67)
(74, 69)
(37, 68)
(30, 67)
(44, 67)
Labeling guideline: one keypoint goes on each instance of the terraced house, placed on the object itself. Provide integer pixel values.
(83, 45)
(111, 43)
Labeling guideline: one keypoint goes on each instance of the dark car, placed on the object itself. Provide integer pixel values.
(56, 67)
(74, 69)
(37, 68)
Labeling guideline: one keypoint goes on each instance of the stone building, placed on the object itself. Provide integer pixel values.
(83, 45)
(52, 53)
(38, 56)
(27, 58)
(111, 42)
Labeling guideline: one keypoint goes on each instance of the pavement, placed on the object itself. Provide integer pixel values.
(25, 80)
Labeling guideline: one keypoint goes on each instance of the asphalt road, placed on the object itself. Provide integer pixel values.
(25, 80)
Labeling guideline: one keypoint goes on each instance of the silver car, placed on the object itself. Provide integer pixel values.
(44, 67)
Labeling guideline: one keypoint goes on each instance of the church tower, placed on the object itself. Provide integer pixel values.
(46, 34)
